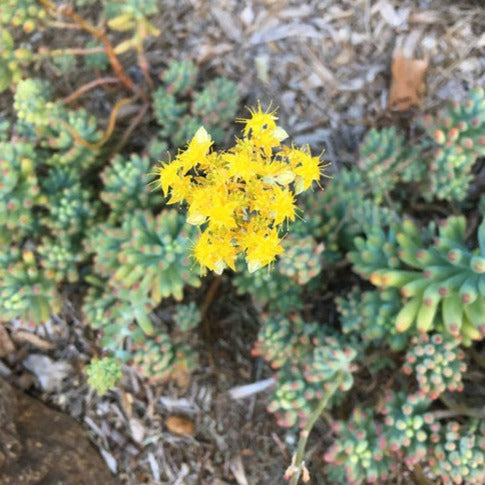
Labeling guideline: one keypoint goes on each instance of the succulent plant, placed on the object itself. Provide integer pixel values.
(160, 359)
(381, 154)
(31, 102)
(308, 361)
(187, 317)
(180, 109)
(376, 250)
(328, 360)
(157, 148)
(59, 258)
(156, 256)
(360, 452)
(445, 289)
(125, 186)
(459, 456)
(301, 260)
(341, 212)
(64, 63)
(301, 385)
(437, 362)
(95, 60)
(98, 306)
(72, 136)
(273, 290)
(69, 135)
(18, 190)
(136, 9)
(4, 129)
(187, 126)
(25, 292)
(180, 77)
(12, 58)
(216, 106)
(119, 314)
(458, 137)
(105, 241)
(103, 374)
(408, 428)
(167, 111)
(440, 163)
(70, 211)
(282, 339)
(372, 315)
(21, 13)
(332, 220)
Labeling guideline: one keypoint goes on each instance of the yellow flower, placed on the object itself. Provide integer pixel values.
(262, 129)
(199, 203)
(262, 248)
(180, 190)
(306, 168)
(260, 121)
(242, 196)
(241, 163)
(282, 205)
(221, 212)
(215, 253)
(168, 175)
(196, 150)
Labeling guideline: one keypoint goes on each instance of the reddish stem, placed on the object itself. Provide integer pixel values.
(88, 86)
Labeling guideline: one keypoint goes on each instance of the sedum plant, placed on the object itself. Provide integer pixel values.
(180, 77)
(180, 109)
(187, 317)
(12, 59)
(381, 155)
(301, 260)
(440, 162)
(71, 136)
(164, 357)
(360, 453)
(103, 374)
(25, 292)
(269, 290)
(155, 257)
(372, 449)
(437, 363)
(26, 14)
(241, 197)
(443, 284)
(59, 258)
(409, 427)
(340, 213)
(146, 252)
(19, 190)
(281, 340)
(458, 141)
(372, 315)
(125, 187)
(307, 362)
(459, 457)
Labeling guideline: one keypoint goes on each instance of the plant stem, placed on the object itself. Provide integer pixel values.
(134, 123)
(88, 86)
(305, 432)
(100, 35)
(209, 296)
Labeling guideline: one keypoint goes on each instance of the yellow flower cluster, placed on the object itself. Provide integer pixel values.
(240, 197)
